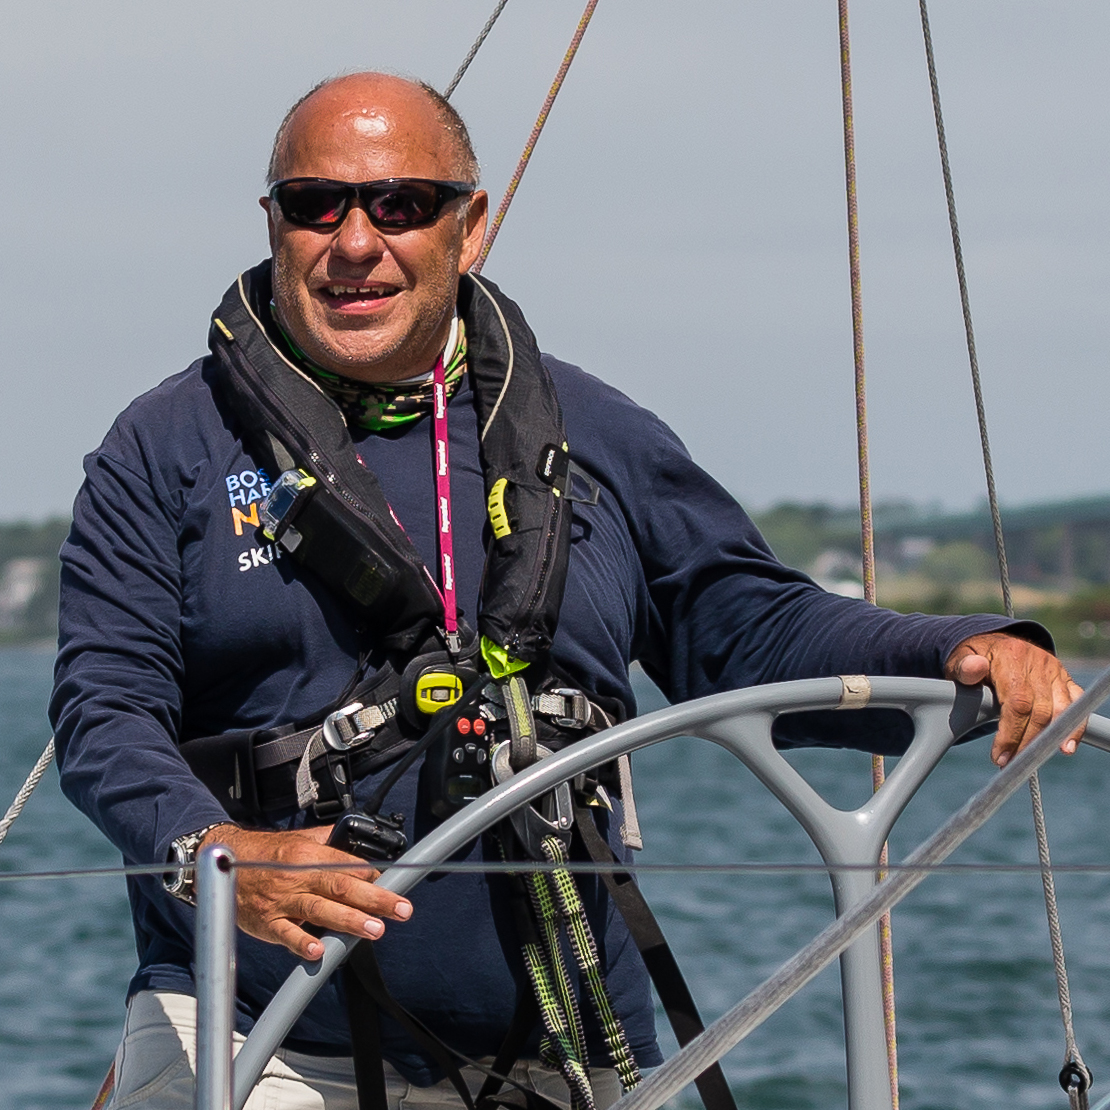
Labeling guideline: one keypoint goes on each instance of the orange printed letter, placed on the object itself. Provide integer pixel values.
(239, 518)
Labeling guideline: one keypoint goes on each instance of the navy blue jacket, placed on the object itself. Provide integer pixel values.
(176, 622)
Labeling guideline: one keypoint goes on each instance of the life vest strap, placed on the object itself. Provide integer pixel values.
(646, 933)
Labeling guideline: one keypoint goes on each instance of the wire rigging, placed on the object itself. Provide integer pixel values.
(473, 52)
(533, 138)
(1076, 1076)
(867, 524)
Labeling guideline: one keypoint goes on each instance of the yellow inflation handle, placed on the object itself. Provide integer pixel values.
(498, 517)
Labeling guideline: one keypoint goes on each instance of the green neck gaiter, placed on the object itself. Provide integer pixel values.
(377, 406)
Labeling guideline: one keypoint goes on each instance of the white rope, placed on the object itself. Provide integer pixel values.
(25, 791)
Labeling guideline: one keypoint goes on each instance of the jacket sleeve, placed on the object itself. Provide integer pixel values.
(116, 706)
(724, 613)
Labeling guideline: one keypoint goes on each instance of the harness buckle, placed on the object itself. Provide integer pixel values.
(550, 815)
(436, 689)
(578, 712)
(342, 731)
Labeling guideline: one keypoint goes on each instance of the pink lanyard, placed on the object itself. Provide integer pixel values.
(443, 503)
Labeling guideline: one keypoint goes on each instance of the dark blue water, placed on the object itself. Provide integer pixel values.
(978, 1020)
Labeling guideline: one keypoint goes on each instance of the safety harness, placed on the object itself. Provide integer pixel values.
(479, 707)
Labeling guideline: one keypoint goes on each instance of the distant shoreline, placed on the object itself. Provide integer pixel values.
(1072, 663)
(41, 646)
(1081, 664)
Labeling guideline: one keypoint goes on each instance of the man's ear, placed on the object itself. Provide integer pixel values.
(267, 203)
(474, 233)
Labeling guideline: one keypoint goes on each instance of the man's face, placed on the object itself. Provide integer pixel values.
(370, 304)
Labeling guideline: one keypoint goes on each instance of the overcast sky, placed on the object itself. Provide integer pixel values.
(681, 231)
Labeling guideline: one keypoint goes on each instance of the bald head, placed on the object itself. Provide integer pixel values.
(360, 297)
(365, 101)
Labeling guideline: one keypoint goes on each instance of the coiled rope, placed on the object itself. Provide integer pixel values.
(473, 52)
(867, 523)
(1075, 1077)
(25, 791)
(537, 130)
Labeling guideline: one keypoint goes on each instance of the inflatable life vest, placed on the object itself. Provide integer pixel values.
(347, 534)
(330, 515)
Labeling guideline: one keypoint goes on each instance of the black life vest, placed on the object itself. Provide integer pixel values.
(349, 537)
(346, 534)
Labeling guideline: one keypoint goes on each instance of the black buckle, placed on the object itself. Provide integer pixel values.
(334, 785)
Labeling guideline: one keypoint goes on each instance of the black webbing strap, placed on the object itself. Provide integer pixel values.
(366, 1044)
(524, 1020)
(367, 995)
(663, 968)
(363, 977)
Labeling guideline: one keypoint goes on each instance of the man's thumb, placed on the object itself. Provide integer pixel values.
(972, 669)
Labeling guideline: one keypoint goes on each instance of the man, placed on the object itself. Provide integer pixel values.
(179, 620)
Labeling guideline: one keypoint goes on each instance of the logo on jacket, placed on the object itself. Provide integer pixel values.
(244, 491)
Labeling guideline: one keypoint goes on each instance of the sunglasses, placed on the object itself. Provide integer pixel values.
(392, 205)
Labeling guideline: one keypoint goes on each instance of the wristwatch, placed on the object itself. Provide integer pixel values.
(182, 883)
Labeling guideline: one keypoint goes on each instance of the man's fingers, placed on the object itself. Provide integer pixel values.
(275, 902)
(337, 886)
(338, 918)
(1071, 744)
(295, 939)
(1014, 723)
(1031, 686)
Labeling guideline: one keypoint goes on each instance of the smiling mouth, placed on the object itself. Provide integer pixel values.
(349, 296)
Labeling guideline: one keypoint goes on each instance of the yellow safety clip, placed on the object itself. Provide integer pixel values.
(436, 690)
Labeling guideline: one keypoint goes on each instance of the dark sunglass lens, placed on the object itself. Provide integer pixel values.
(313, 203)
(405, 205)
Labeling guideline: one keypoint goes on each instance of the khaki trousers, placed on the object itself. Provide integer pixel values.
(156, 1070)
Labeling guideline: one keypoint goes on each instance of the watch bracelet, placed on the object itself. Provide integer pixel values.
(183, 853)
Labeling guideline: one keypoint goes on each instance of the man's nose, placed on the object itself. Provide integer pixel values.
(358, 239)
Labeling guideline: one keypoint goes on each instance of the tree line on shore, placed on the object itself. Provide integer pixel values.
(926, 562)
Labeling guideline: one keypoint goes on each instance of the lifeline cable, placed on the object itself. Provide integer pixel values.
(867, 523)
(473, 52)
(25, 791)
(537, 129)
(574, 867)
(1075, 1076)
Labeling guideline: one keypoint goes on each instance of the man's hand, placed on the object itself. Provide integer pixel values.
(1031, 686)
(273, 904)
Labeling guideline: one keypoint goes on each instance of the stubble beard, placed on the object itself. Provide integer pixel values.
(388, 360)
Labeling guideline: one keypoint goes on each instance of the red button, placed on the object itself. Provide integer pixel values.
(480, 727)
(463, 725)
